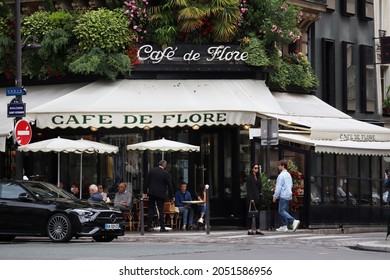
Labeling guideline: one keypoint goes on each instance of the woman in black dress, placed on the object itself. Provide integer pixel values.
(253, 188)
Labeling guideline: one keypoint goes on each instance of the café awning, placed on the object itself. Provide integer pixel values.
(310, 121)
(36, 95)
(157, 103)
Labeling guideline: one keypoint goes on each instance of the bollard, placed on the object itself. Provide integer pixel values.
(207, 209)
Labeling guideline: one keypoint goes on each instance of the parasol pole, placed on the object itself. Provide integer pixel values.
(81, 175)
(58, 170)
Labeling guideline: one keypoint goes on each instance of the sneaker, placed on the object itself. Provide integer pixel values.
(295, 225)
(184, 227)
(282, 229)
(251, 233)
(259, 232)
(201, 220)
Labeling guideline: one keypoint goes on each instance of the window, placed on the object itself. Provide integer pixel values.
(330, 5)
(328, 72)
(367, 79)
(348, 7)
(10, 191)
(348, 77)
(366, 9)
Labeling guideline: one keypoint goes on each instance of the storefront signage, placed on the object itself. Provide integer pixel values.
(181, 119)
(357, 137)
(215, 53)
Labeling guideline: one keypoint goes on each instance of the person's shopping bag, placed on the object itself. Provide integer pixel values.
(253, 213)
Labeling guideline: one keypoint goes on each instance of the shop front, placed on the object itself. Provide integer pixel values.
(330, 149)
(213, 114)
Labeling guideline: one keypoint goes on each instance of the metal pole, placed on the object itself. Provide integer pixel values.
(18, 82)
(207, 209)
(141, 215)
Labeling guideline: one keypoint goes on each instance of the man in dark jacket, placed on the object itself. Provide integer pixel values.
(157, 185)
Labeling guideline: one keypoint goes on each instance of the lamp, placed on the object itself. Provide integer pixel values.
(246, 126)
(195, 127)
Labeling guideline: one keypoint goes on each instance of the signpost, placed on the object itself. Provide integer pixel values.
(16, 91)
(16, 109)
(22, 132)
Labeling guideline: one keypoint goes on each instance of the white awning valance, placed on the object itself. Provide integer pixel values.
(340, 147)
(324, 122)
(157, 103)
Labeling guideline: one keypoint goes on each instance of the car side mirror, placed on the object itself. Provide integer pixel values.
(25, 197)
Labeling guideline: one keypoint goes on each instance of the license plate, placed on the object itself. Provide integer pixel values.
(111, 226)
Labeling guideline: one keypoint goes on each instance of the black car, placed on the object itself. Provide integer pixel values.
(32, 208)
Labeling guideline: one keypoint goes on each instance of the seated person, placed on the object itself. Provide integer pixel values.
(123, 198)
(201, 208)
(94, 194)
(75, 190)
(184, 195)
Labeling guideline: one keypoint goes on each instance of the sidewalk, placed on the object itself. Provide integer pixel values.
(218, 235)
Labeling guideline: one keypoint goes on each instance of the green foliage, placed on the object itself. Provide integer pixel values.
(7, 56)
(386, 101)
(257, 55)
(36, 24)
(267, 191)
(103, 29)
(53, 31)
(271, 20)
(98, 61)
(292, 70)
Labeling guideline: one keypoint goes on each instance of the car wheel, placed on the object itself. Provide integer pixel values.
(103, 238)
(59, 228)
(7, 237)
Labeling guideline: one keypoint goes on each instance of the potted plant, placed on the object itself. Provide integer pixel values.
(386, 103)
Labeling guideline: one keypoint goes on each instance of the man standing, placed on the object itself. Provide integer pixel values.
(157, 184)
(123, 198)
(284, 194)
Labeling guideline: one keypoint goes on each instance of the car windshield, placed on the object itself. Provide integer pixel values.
(46, 190)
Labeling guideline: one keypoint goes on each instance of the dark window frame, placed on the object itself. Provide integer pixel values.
(366, 58)
(329, 71)
(344, 73)
(345, 10)
(363, 7)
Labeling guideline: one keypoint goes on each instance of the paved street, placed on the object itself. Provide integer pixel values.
(230, 244)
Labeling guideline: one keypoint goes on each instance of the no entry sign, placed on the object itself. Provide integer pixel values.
(22, 132)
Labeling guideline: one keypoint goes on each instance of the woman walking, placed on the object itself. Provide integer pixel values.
(253, 188)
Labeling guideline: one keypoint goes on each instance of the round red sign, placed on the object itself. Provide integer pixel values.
(22, 132)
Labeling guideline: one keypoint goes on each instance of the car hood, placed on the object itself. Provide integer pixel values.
(75, 203)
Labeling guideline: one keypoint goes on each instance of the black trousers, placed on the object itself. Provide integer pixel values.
(153, 201)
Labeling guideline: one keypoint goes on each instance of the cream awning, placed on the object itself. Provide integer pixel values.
(36, 96)
(340, 147)
(310, 121)
(158, 103)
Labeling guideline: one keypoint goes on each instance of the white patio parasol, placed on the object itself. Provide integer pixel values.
(100, 148)
(163, 145)
(62, 145)
(58, 145)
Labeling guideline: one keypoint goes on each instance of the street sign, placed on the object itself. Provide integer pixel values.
(16, 110)
(13, 91)
(269, 132)
(22, 132)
